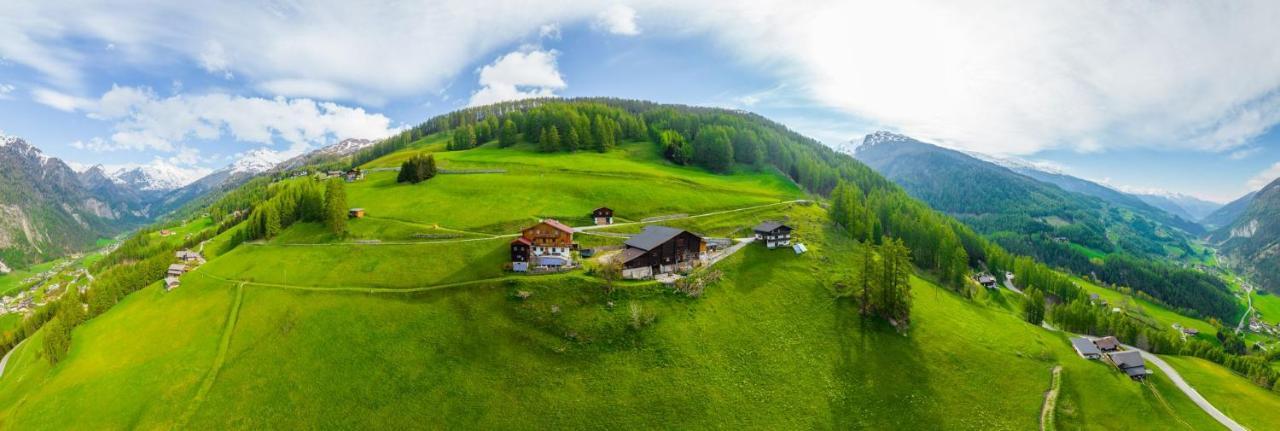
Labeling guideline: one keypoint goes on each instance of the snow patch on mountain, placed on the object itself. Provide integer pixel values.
(257, 161)
(1016, 164)
(157, 176)
(882, 137)
(346, 147)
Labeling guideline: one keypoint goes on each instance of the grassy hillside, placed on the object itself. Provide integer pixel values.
(411, 323)
(1235, 396)
(767, 347)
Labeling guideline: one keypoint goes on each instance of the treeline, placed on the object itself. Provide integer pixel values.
(417, 169)
(1189, 291)
(297, 201)
(1083, 316)
(882, 286)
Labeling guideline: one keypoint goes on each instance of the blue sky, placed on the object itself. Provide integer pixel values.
(1178, 98)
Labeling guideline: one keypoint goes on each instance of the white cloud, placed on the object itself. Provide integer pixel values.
(1265, 177)
(213, 59)
(519, 75)
(618, 19)
(549, 31)
(1244, 153)
(5, 90)
(998, 77)
(355, 50)
(145, 121)
(58, 100)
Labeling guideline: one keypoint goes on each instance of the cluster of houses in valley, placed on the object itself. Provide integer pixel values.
(350, 175)
(1109, 349)
(655, 251)
(187, 259)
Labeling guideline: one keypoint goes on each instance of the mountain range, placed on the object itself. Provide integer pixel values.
(1251, 241)
(48, 209)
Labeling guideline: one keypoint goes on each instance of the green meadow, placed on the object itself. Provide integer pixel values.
(1237, 397)
(768, 347)
(1151, 312)
(412, 323)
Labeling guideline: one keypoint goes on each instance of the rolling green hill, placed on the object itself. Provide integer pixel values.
(408, 321)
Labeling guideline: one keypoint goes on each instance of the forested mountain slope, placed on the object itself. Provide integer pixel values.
(1082, 233)
(1252, 241)
(47, 209)
(1229, 213)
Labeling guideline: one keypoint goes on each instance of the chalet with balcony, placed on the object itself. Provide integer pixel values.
(773, 234)
(521, 252)
(602, 215)
(550, 243)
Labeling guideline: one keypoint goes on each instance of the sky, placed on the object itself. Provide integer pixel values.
(1143, 96)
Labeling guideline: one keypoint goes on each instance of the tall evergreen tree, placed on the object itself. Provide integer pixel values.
(335, 207)
(509, 135)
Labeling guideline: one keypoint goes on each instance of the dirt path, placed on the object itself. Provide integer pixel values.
(1051, 400)
(223, 345)
(713, 213)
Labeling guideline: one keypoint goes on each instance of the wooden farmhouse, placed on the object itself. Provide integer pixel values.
(986, 280)
(170, 282)
(551, 243)
(1131, 363)
(354, 175)
(661, 250)
(1107, 344)
(602, 215)
(521, 251)
(187, 255)
(1085, 348)
(773, 234)
(355, 213)
(176, 270)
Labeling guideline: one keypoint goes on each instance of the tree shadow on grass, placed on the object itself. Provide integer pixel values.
(881, 376)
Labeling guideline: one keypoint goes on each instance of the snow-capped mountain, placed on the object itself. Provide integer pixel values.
(256, 161)
(346, 147)
(156, 177)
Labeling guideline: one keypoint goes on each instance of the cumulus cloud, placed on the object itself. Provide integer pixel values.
(998, 77)
(213, 59)
(1265, 177)
(618, 19)
(145, 121)
(59, 100)
(519, 75)
(5, 90)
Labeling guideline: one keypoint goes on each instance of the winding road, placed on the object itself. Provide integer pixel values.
(5, 361)
(1185, 388)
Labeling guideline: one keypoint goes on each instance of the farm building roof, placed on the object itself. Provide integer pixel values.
(557, 225)
(177, 267)
(769, 226)
(1127, 359)
(1107, 343)
(630, 254)
(521, 240)
(1084, 346)
(653, 236)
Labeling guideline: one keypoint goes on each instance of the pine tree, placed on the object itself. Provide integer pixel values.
(335, 207)
(553, 139)
(271, 225)
(509, 135)
(1033, 306)
(571, 143)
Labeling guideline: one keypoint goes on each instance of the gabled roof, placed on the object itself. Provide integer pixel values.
(521, 240)
(177, 267)
(557, 225)
(769, 226)
(607, 209)
(1084, 346)
(630, 254)
(653, 236)
(1127, 359)
(1107, 343)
